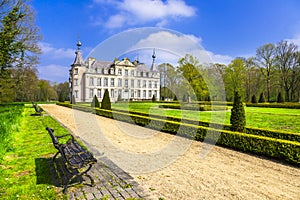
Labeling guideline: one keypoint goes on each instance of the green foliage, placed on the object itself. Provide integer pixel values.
(253, 99)
(280, 98)
(95, 102)
(261, 98)
(106, 104)
(237, 118)
(10, 115)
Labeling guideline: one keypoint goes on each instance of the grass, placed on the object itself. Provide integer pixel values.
(24, 170)
(281, 119)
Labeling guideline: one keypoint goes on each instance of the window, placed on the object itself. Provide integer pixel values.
(139, 94)
(139, 83)
(99, 93)
(91, 82)
(144, 84)
(126, 72)
(150, 84)
(98, 81)
(155, 84)
(150, 94)
(91, 93)
(112, 93)
(144, 94)
(112, 71)
(120, 72)
(105, 82)
(75, 71)
(126, 83)
(119, 82)
(76, 93)
(147, 74)
(105, 71)
(132, 72)
(132, 83)
(112, 82)
(75, 81)
(132, 93)
(142, 74)
(120, 93)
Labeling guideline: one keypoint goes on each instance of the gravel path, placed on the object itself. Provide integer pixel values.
(170, 167)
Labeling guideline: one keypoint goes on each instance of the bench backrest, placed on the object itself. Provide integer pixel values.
(53, 137)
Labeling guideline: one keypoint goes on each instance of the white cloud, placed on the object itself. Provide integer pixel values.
(295, 40)
(53, 72)
(139, 12)
(56, 53)
(171, 46)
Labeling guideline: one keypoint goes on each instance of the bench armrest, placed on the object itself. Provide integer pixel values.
(61, 136)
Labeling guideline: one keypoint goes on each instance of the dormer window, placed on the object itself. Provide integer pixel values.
(75, 71)
(120, 72)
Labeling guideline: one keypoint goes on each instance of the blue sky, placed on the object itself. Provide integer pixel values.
(224, 28)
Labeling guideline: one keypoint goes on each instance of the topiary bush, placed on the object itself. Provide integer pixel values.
(280, 98)
(95, 103)
(253, 99)
(262, 98)
(237, 117)
(106, 104)
(153, 99)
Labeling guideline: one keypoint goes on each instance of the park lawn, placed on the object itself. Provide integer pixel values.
(25, 172)
(282, 119)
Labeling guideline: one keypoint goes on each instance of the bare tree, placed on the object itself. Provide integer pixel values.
(287, 60)
(265, 57)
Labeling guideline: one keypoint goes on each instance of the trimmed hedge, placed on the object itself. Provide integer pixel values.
(275, 105)
(271, 147)
(196, 107)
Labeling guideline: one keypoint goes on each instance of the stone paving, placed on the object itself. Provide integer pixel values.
(111, 182)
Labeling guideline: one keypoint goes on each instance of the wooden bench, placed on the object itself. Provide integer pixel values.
(77, 160)
(38, 110)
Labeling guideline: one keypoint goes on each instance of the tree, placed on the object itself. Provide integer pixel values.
(106, 104)
(192, 80)
(45, 91)
(261, 98)
(18, 48)
(95, 102)
(63, 91)
(253, 99)
(237, 117)
(287, 60)
(265, 56)
(235, 76)
(280, 98)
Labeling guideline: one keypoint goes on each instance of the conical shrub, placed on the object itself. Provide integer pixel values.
(237, 117)
(106, 104)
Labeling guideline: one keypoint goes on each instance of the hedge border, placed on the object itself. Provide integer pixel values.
(288, 151)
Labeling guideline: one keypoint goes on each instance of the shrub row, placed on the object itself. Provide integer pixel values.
(261, 145)
(275, 105)
(254, 131)
(196, 107)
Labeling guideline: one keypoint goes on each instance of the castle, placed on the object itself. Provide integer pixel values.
(125, 80)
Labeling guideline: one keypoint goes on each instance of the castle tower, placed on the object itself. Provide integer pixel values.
(153, 66)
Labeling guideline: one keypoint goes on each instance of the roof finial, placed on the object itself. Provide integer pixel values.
(78, 43)
(153, 55)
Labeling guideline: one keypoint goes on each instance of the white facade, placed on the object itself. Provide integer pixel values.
(123, 78)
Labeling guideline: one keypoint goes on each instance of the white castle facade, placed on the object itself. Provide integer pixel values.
(123, 79)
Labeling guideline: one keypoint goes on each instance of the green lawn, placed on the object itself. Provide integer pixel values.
(257, 117)
(24, 170)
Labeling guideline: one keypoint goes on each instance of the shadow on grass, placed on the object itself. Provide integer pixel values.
(52, 173)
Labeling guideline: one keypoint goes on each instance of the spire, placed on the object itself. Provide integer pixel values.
(153, 66)
(78, 58)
